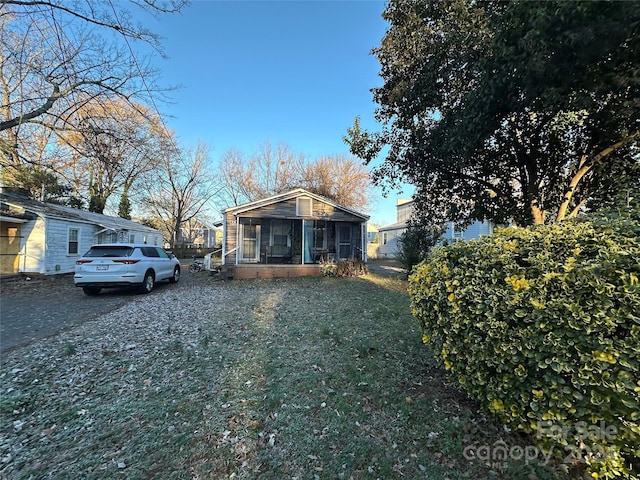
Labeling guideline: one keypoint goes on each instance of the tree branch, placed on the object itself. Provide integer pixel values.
(585, 166)
(116, 26)
(14, 122)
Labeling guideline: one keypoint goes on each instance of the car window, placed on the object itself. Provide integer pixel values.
(163, 254)
(109, 251)
(149, 252)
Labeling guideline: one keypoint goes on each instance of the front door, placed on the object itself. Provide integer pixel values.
(250, 243)
(344, 242)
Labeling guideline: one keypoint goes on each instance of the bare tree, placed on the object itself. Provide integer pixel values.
(273, 170)
(342, 179)
(103, 14)
(183, 189)
(57, 56)
(270, 171)
(115, 143)
(235, 178)
(46, 74)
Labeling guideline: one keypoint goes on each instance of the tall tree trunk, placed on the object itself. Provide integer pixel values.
(538, 214)
(177, 236)
(584, 167)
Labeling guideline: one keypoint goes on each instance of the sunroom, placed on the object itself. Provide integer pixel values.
(295, 231)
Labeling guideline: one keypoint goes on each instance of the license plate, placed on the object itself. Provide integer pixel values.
(102, 267)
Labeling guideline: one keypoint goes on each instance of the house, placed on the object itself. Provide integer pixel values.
(46, 238)
(289, 235)
(389, 235)
(196, 234)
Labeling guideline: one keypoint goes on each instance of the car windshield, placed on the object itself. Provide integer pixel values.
(110, 251)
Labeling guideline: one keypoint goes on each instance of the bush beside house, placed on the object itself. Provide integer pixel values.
(542, 325)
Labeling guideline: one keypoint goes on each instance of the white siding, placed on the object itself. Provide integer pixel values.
(57, 258)
(44, 242)
(390, 248)
(32, 246)
(87, 238)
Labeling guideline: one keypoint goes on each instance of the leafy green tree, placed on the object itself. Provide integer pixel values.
(507, 110)
(40, 183)
(124, 209)
(416, 242)
(97, 198)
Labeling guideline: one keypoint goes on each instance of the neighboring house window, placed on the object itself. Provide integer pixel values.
(74, 234)
(109, 237)
(304, 207)
(384, 238)
(132, 238)
(458, 233)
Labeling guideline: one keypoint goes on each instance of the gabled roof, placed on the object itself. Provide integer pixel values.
(281, 197)
(393, 226)
(52, 210)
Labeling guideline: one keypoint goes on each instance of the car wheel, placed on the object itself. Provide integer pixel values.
(91, 290)
(148, 282)
(176, 275)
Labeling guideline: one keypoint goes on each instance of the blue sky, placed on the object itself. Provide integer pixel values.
(296, 72)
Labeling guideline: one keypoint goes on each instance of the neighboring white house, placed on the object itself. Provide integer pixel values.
(39, 237)
(389, 235)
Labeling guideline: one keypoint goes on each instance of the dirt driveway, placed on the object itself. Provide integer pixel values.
(42, 306)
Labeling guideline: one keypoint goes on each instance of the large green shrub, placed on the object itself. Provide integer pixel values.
(542, 325)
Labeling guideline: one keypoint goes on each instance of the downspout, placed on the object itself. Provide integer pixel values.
(43, 267)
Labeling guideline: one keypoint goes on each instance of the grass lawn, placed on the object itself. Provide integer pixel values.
(301, 378)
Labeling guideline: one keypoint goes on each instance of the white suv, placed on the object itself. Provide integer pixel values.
(112, 265)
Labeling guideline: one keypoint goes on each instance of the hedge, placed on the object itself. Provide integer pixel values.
(542, 326)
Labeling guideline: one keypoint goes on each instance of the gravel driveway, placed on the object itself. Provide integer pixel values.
(38, 308)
